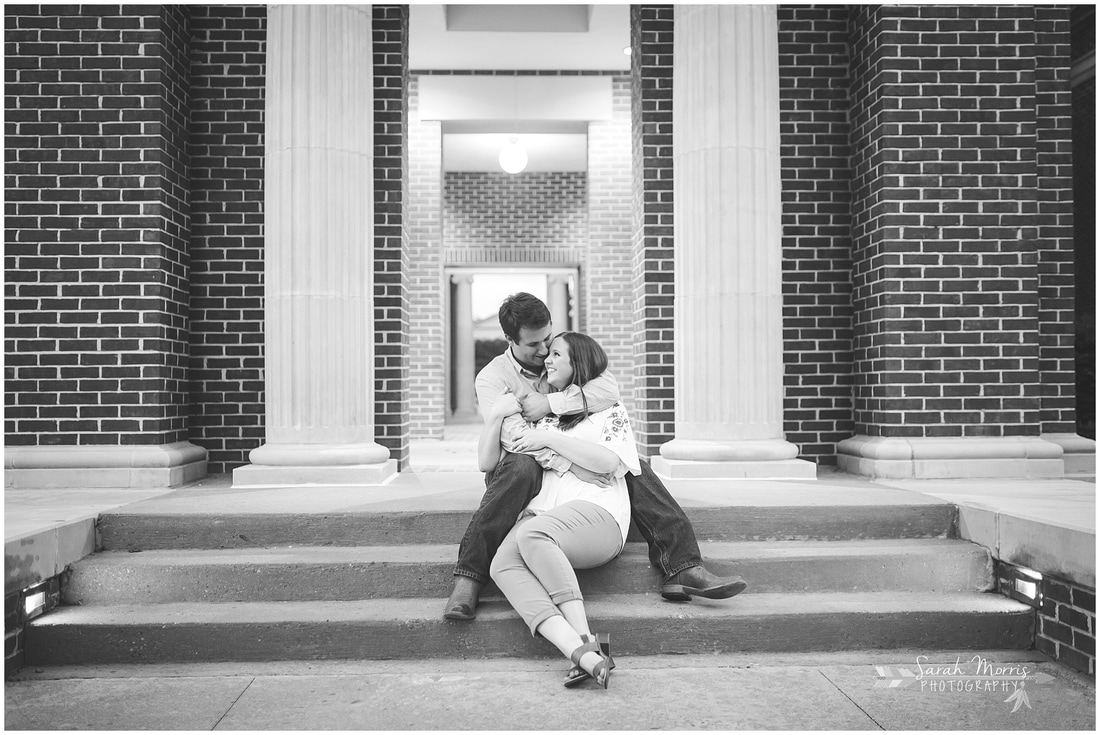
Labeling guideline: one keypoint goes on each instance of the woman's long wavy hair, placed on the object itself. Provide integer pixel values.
(589, 361)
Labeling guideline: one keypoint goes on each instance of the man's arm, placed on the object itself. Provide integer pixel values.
(489, 389)
(601, 392)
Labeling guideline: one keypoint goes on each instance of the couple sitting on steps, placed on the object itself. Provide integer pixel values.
(563, 481)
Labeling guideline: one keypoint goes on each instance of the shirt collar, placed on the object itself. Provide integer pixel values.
(520, 368)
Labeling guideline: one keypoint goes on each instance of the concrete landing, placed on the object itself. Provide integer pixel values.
(699, 692)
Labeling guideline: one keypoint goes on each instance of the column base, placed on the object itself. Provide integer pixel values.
(778, 469)
(955, 457)
(1078, 452)
(766, 458)
(254, 475)
(164, 465)
(285, 465)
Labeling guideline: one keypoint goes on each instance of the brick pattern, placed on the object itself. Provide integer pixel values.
(608, 288)
(427, 386)
(1054, 161)
(652, 241)
(817, 227)
(391, 234)
(227, 264)
(944, 228)
(494, 217)
(1067, 624)
(97, 223)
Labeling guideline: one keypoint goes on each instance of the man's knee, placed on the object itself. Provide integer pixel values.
(520, 465)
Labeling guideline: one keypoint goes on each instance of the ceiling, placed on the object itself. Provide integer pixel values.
(479, 118)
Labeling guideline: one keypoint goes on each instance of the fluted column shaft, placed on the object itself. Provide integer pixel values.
(463, 318)
(318, 257)
(728, 298)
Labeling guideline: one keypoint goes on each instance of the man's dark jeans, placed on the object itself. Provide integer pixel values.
(517, 478)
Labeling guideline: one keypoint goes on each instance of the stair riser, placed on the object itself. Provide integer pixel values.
(748, 523)
(966, 570)
(417, 639)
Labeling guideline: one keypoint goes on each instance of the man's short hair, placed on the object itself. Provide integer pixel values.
(522, 311)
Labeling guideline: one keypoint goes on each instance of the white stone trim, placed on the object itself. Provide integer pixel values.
(927, 458)
(1079, 453)
(166, 465)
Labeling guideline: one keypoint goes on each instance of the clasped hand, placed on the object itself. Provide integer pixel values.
(505, 406)
(534, 440)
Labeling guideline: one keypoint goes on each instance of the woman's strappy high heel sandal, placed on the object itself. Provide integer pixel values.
(577, 675)
(601, 672)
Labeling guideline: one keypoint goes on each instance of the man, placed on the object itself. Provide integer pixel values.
(518, 477)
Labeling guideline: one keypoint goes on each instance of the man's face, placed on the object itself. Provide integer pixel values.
(533, 346)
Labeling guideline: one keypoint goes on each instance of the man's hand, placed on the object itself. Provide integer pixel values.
(586, 475)
(534, 440)
(535, 406)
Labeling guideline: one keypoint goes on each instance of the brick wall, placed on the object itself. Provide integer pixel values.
(817, 221)
(97, 222)
(1054, 164)
(652, 241)
(945, 237)
(1067, 624)
(609, 297)
(427, 387)
(227, 265)
(531, 217)
(391, 252)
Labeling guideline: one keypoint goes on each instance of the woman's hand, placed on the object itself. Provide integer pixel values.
(534, 440)
(506, 405)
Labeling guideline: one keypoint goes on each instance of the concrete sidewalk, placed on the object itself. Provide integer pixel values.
(729, 692)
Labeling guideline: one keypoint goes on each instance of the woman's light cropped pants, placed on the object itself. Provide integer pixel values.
(534, 565)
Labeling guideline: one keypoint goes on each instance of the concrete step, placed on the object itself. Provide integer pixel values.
(934, 566)
(412, 628)
(806, 522)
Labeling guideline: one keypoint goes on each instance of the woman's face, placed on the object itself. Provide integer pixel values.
(559, 370)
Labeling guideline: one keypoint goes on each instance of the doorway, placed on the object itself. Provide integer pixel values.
(474, 334)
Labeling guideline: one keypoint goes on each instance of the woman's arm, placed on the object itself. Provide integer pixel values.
(590, 455)
(488, 444)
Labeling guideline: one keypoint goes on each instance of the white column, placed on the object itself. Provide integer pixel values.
(463, 318)
(557, 301)
(318, 252)
(728, 298)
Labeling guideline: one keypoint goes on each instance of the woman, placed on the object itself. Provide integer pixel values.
(570, 524)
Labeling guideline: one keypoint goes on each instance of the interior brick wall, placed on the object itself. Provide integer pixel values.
(651, 28)
(227, 246)
(427, 358)
(97, 223)
(608, 288)
(817, 221)
(530, 217)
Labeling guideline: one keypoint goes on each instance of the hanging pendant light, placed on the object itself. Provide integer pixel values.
(513, 157)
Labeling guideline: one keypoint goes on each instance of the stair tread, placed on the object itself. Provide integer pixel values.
(447, 553)
(605, 606)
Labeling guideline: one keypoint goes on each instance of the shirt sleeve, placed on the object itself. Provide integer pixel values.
(617, 436)
(601, 392)
(489, 387)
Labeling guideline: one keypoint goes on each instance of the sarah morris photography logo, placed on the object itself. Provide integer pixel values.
(978, 675)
